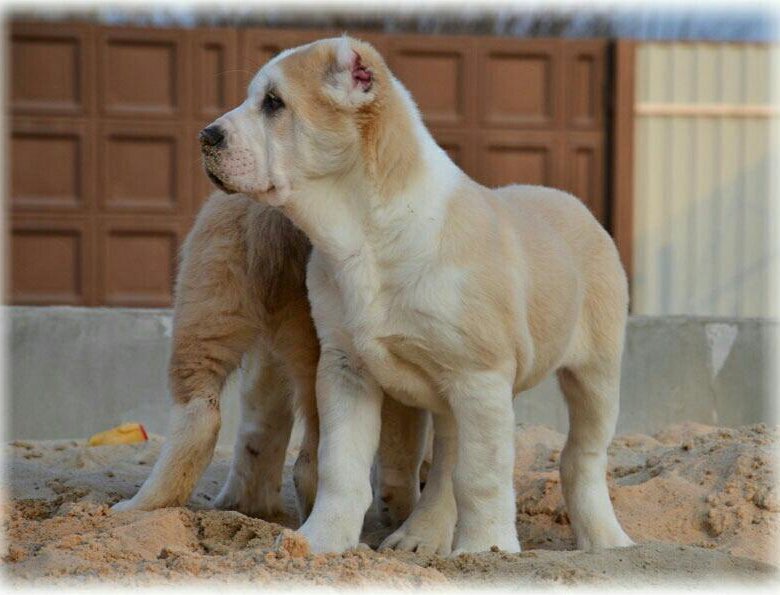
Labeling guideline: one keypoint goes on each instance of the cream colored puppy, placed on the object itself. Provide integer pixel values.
(241, 304)
(442, 293)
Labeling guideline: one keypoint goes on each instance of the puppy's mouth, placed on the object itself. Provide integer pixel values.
(219, 183)
(227, 189)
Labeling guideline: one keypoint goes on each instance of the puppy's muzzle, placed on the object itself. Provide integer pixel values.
(212, 137)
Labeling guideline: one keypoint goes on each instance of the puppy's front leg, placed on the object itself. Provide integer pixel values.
(431, 526)
(253, 485)
(349, 403)
(483, 478)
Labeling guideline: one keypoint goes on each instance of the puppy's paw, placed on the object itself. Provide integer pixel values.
(427, 531)
(291, 543)
(144, 501)
(263, 503)
(486, 538)
(604, 540)
(327, 538)
(399, 501)
(124, 506)
(424, 544)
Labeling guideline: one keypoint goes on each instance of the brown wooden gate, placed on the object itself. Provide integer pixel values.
(105, 172)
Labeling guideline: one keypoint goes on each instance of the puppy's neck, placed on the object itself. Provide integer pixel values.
(397, 194)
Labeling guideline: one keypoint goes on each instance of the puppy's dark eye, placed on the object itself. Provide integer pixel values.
(272, 103)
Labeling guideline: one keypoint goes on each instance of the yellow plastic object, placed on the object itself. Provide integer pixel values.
(128, 433)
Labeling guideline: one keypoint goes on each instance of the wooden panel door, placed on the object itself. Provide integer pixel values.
(105, 173)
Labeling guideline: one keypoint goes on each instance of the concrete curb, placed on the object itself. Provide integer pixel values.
(76, 371)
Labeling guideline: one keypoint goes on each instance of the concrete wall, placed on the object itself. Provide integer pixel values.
(74, 372)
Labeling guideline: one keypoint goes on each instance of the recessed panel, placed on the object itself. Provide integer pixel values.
(46, 170)
(139, 267)
(519, 158)
(216, 73)
(140, 77)
(46, 266)
(45, 73)
(140, 171)
(585, 175)
(582, 104)
(435, 80)
(584, 81)
(213, 66)
(584, 172)
(518, 89)
(517, 165)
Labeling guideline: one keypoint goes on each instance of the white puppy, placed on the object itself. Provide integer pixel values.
(429, 287)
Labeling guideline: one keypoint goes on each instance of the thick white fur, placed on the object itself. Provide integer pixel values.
(438, 292)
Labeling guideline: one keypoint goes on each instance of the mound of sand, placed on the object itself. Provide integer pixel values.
(701, 502)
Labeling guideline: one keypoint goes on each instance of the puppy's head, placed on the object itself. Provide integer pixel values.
(304, 116)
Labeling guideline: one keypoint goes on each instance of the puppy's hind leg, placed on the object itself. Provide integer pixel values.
(193, 432)
(305, 468)
(212, 329)
(402, 445)
(592, 399)
(198, 372)
(253, 485)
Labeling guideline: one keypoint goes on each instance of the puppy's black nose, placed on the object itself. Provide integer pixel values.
(212, 136)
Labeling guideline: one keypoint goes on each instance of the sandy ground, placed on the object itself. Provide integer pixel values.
(701, 502)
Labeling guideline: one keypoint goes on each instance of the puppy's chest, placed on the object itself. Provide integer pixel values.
(412, 325)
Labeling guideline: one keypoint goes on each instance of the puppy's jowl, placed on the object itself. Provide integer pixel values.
(434, 290)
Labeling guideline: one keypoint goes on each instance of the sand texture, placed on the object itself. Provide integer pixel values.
(701, 501)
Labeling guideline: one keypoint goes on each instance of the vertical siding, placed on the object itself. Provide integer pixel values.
(702, 187)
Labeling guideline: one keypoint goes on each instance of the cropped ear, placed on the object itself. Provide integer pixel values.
(350, 81)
